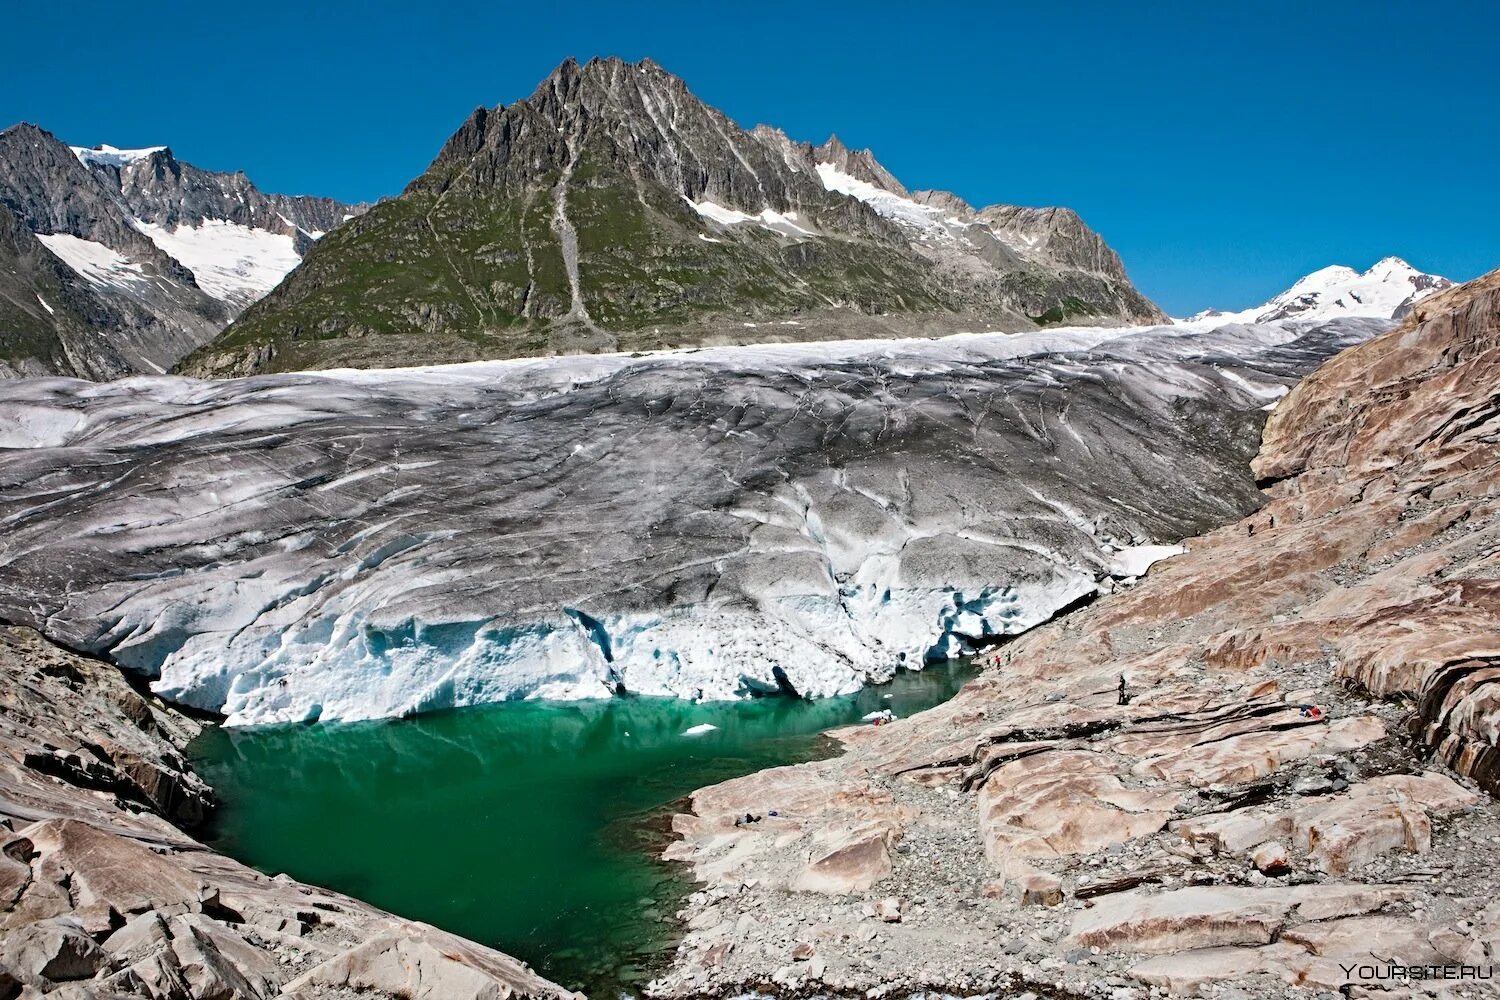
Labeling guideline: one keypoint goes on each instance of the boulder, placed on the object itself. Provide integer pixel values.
(1256, 754)
(218, 964)
(1271, 858)
(144, 934)
(1188, 973)
(1340, 832)
(1040, 889)
(851, 861)
(52, 950)
(1353, 831)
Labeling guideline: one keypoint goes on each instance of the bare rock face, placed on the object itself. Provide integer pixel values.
(1261, 767)
(101, 895)
(1210, 917)
(1068, 802)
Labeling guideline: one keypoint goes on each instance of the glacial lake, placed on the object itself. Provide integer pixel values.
(532, 827)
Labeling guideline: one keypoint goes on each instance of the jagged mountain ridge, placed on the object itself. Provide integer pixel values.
(613, 210)
(162, 190)
(162, 255)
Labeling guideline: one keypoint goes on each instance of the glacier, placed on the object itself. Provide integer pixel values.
(707, 524)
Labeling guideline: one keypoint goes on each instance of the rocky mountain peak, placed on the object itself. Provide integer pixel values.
(612, 201)
(52, 192)
(860, 164)
(157, 255)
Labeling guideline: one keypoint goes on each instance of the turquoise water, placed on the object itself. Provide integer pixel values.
(528, 826)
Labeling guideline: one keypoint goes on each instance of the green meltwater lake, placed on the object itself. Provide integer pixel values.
(532, 827)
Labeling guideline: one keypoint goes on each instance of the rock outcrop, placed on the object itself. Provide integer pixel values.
(104, 895)
(1263, 767)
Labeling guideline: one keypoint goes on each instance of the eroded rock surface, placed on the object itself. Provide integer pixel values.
(102, 896)
(1291, 795)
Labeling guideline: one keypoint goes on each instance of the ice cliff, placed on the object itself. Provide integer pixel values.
(713, 523)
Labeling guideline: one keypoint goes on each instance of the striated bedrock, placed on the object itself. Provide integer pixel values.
(709, 524)
(1292, 796)
(102, 894)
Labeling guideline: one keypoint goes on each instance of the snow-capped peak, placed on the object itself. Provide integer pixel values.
(110, 156)
(1385, 291)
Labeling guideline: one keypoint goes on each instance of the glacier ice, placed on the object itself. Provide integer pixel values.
(702, 524)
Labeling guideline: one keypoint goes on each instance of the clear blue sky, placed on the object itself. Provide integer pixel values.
(1223, 150)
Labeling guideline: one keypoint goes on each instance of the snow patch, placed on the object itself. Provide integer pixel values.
(94, 262)
(925, 218)
(1334, 292)
(233, 263)
(45, 306)
(786, 223)
(1134, 560)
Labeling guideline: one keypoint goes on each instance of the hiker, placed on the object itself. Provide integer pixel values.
(1124, 698)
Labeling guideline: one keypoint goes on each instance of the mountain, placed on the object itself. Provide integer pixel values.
(613, 210)
(1386, 291)
(160, 254)
(50, 317)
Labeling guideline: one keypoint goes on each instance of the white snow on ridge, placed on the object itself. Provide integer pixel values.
(233, 263)
(95, 262)
(787, 223)
(111, 156)
(1334, 292)
(931, 220)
